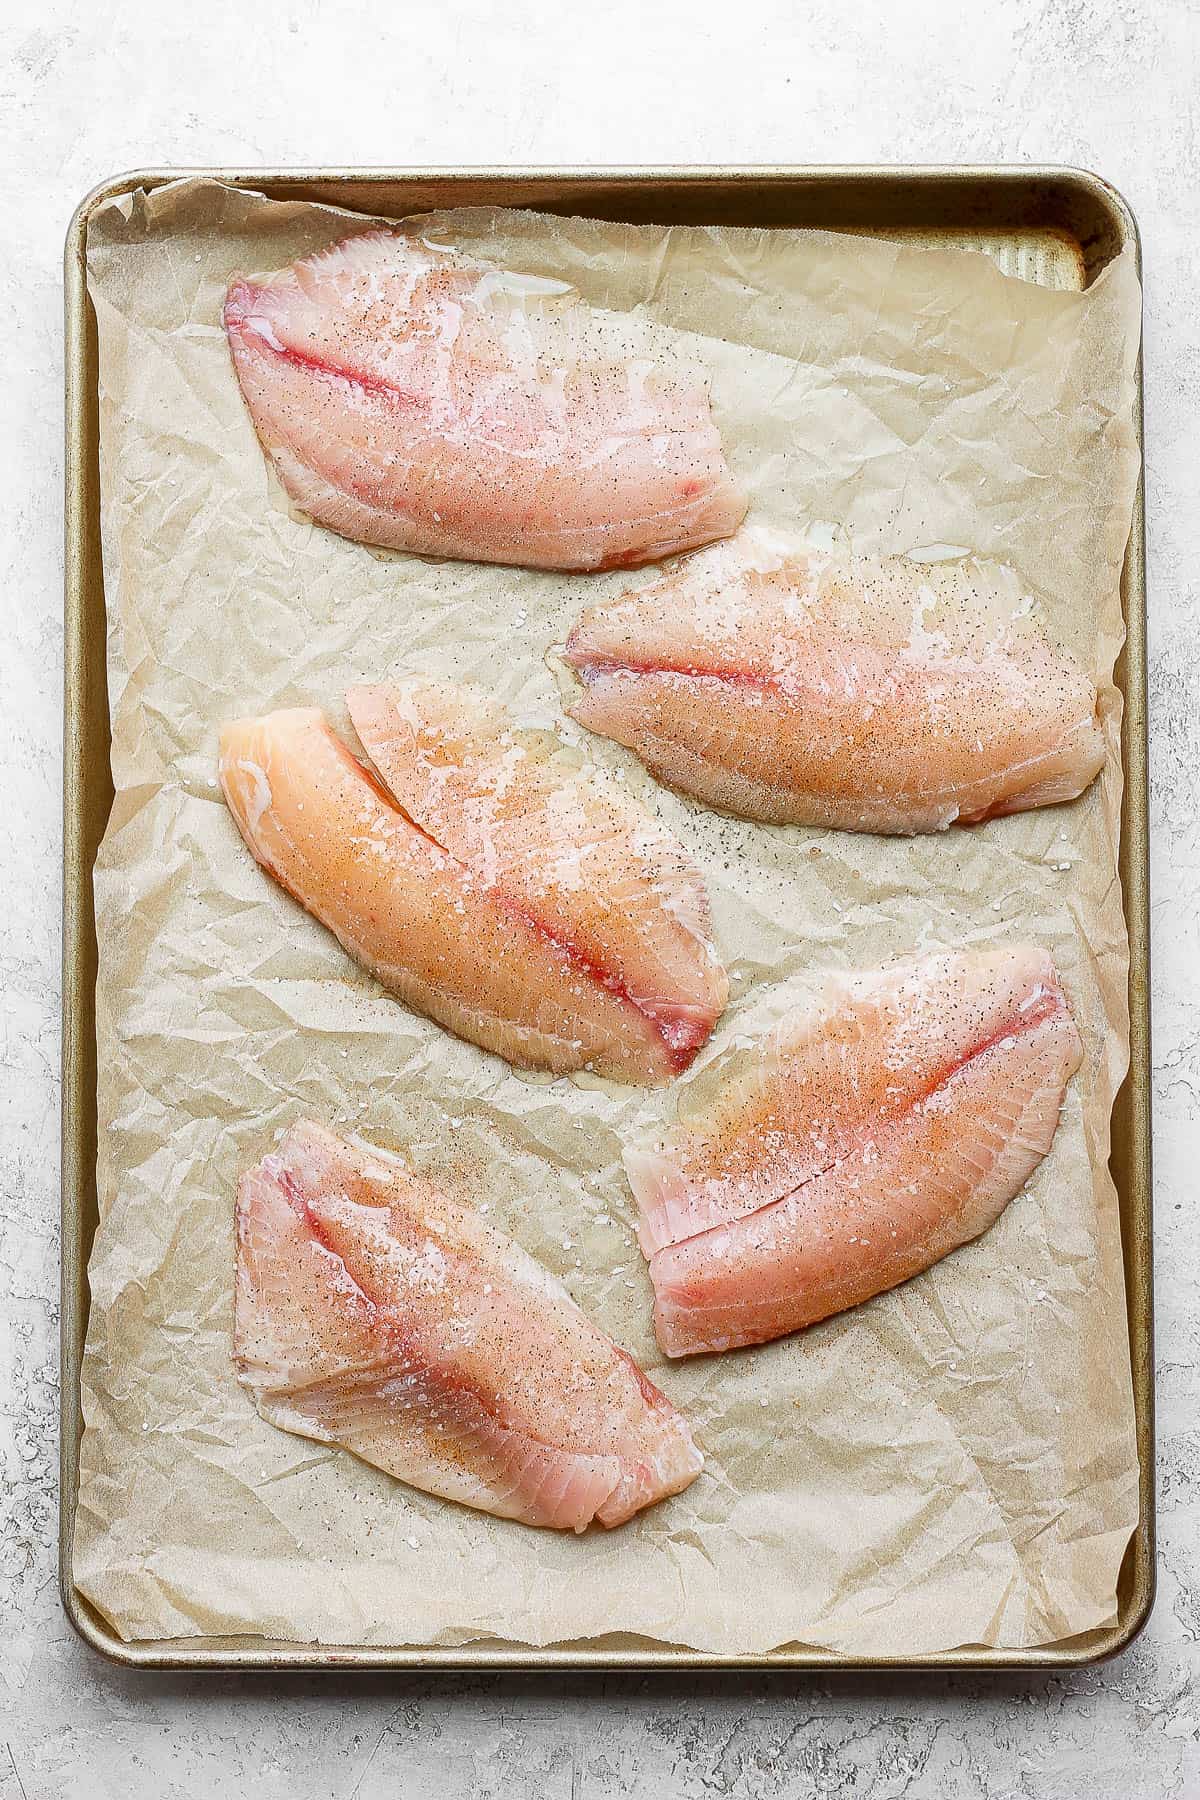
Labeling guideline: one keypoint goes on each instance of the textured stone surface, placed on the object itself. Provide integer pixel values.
(87, 91)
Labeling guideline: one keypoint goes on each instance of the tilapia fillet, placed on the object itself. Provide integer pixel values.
(866, 1138)
(860, 693)
(559, 840)
(426, 900)
(374, 1312)
(411, 397)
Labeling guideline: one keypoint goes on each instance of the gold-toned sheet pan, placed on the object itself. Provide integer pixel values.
(1057, 226)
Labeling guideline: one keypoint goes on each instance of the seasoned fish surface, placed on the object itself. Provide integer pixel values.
(440, 932)
(408, 396)
(374, 1312)
(561, 841)
(860, 693)
(864, 1140)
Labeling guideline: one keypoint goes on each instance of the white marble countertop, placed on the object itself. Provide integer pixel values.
(85, 92)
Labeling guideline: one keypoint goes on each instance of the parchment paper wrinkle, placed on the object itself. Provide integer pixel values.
(953, 1463)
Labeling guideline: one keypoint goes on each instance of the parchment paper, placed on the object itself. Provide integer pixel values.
(954, 1462)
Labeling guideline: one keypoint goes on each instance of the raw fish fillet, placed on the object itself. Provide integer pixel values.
(869, 1136)
(374, 1312)
(411, 397)
(561, 842)
(441, 932)
(860, 693)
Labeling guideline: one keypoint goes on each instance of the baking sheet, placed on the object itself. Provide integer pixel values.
(928, 1492)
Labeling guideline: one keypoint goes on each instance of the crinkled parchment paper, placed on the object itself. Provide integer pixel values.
(952, 1463)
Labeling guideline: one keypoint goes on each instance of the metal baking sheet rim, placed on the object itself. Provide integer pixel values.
(955, 200)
